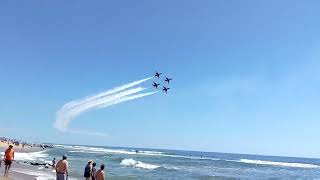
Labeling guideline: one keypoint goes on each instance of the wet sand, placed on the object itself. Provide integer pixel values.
(14, 175)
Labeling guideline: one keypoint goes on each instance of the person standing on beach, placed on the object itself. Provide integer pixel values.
(88, 170)
(100, 173)
(62, 168)
(54, 163)
(8, 157)
(94, 171)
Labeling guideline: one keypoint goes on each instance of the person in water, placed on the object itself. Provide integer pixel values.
(62, 168)
(88, 170)
(54, 163)
(100, 173)
(94, 171)
(8, 158)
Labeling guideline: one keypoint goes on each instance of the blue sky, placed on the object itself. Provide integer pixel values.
(246, 73)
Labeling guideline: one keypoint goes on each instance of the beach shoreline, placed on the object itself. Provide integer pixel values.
(15, 170)
(14, 175)
(26, 149)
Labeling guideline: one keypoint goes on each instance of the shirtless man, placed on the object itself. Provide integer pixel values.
(100, 173)
(8, 158)
(62, 169)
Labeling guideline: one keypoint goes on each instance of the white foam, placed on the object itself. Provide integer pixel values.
(192, 157)
(84, 149)
(274, 163)
(39, 174)
(138, 164)
(150, 152)
(61, 145)
(29, 156)
(171, 167)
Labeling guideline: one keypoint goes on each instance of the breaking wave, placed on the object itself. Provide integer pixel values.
(33, 156)
(84, 149)
(274, 163)
(138, 164)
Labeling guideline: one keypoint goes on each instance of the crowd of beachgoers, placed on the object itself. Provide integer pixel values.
(10, 145)
(21, 144)
(90, 171)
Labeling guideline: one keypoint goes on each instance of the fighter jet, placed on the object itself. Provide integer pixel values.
(165, 89)
(155, 85)
(157, 74)
(168, 80)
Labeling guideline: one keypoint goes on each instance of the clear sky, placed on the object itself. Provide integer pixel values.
(246, 73)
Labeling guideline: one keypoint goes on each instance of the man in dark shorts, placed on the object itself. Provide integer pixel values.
(8, 158)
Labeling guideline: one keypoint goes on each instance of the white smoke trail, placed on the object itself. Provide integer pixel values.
(65, 115)
(102, 94)
(111, 97)
(126, 98)
(114, 102)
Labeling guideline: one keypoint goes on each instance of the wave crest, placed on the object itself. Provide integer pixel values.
(138, 164)
(274, 163)
(32, 156)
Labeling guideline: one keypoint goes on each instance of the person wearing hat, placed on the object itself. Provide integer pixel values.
(88, 170)
(62, 168)
(8, 158)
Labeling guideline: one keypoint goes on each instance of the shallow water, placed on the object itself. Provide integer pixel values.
(125, 163)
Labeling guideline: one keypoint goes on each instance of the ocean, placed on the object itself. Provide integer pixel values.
(127, 163)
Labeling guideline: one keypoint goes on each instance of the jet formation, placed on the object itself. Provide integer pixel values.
(166, 81)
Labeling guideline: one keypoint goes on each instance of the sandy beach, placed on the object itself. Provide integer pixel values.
(20, 148)
(13, 175)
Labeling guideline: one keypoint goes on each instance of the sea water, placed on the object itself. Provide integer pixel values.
(137, 163)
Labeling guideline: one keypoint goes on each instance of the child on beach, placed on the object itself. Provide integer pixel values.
(54, 164)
